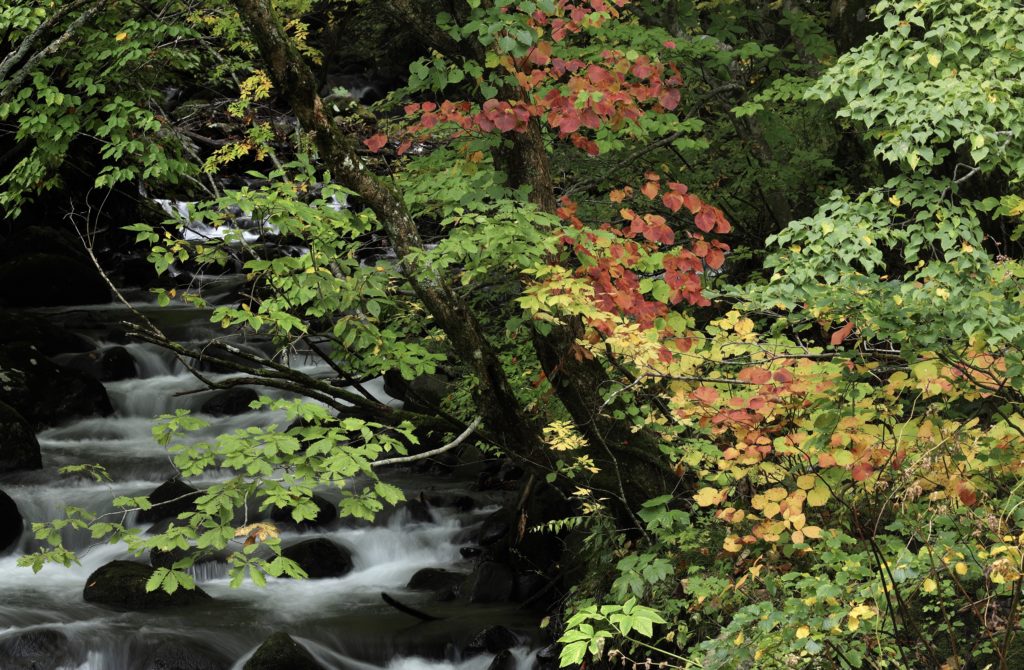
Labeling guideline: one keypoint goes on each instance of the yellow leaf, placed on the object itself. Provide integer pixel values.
(777, 494)
(929, 586)
(732, 544)
(797, 537)
(771, 509)
(708, 496)
(961, 568)
(813, 532)
(802, 632)
(738, 640)
(934, 59)
(806, 482)
(120, 37)
(819, 495)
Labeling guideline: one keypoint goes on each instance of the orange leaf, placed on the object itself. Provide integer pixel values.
(650, 189)
(842, 334)
(376, 142)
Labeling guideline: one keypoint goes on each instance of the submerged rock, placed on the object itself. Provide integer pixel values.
(492, 640)
(47, 394)
(184, 655)
(19, 448)
(490, 583)
(503, 660)
(122, 585)
(43, 649)
(281, 652)
(230, 402)
(320, 558)
(11, 523)
(108, 365)
(169, 500)
(47, 279)
(437, 580)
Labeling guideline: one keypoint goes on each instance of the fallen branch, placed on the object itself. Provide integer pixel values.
(405, 609)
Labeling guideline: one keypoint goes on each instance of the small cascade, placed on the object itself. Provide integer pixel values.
(342, 621)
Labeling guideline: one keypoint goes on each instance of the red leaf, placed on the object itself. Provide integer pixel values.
(842, 334)
(705, 395)
(673, 201)
(967, 494)
(862, 471)
(715, 259)
(755, 375)
(376, 142)
(650, 189)
(669, 98)
(705, 220)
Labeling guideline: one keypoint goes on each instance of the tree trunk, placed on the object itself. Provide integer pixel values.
(294, 79)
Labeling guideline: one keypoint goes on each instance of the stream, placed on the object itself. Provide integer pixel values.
(342, 621)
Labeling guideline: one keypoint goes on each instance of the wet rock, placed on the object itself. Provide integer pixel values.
(490, 582)
(108, 365)
(320, 558)
(395, 385)
(436, 580)
(504, 660)
(470, 552)
(492, 640)
(50, 339)
(547, 658)
(419, 511)
(528, 585)
(495, 528)
(169, 500)
(47, 394)
(327, 512)
(122, 585)
(230, 402)
(43, 649)
(19, 449)
(49, 279)
(425, 393)
(183, 655)
(11, 523)
(281, 652)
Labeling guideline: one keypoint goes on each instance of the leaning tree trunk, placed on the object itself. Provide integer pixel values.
(294, 79)
(631, 471)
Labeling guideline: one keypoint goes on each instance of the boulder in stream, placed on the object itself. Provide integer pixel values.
(281, 652)
(47, 337)
(503, 660)
(48, 279)
(11, 523)
(109, 365)
(19, 449)
(492, 640)
(169, 500)
(230, 402)
(45, 393)
(490, 582)
(39, 649)
(122, 585)
(185, 655)
(320, 558)
(438, 580)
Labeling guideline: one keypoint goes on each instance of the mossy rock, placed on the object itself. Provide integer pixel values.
(281, 652)
(121, 585)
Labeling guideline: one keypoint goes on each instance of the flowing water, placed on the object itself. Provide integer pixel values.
(342, 621)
